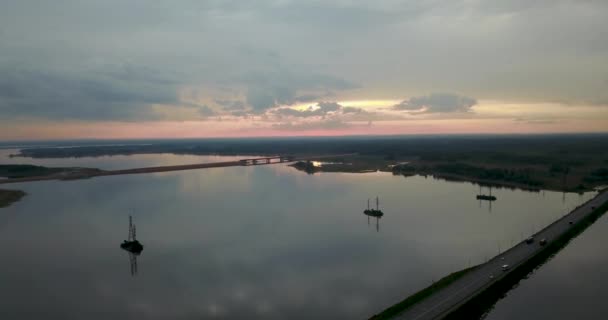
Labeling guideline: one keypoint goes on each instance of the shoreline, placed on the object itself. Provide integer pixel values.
(422, 168)
(9, 197)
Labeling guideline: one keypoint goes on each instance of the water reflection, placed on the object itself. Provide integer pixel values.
(263, 242)
(377, 223)
(486, 197)
(133, 262)
(132, 246)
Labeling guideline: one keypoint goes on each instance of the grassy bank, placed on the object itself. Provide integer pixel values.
(15, 171)
(420, 295)
(26, 170)
(8, 197)
(584, 176)
(485, 301)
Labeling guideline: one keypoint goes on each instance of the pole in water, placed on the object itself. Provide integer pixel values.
(130, 228)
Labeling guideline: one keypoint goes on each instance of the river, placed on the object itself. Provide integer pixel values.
(261, 242)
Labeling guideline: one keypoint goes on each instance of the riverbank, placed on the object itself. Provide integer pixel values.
(22, 171)
(587, 175)
(8, 197)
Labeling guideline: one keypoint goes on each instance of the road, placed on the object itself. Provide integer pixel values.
(462, 290)
(91, 173)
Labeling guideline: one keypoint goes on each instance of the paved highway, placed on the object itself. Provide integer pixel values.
(447, 300)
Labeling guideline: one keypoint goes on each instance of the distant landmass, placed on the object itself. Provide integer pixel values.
(563, 162)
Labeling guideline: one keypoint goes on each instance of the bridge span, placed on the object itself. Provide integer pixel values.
(91, 173)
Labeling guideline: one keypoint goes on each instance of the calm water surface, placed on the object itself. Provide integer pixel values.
(264, 242)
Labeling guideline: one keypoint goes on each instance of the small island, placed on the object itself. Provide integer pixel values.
(8, 197)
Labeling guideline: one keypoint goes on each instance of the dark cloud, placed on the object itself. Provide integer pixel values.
(437, 103)
(84, 96)
(240, 114)
(271, 89)
(326, 107)
(310, 97)
(231, 105)
(261, 99)
(352, 110)
(205, 111)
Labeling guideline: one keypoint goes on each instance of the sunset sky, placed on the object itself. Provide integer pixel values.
(189, 68)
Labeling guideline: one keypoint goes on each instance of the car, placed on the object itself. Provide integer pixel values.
(491, 276)
(505, 267)
(543, 242)
(570, 222)
(530, 240)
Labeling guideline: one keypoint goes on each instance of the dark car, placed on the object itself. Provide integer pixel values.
(543, 242)
(530, 240)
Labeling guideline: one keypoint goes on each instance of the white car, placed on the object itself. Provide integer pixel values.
(505, 267)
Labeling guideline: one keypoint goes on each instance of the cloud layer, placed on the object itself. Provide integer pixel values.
(133, 61)
(437, 103)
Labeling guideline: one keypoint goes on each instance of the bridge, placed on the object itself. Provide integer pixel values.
(269, 160)
(86, 173)
(449, 299)
(242, 162)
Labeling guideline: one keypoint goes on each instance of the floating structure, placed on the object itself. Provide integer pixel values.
(374, 212)
(131, 244)
(487, 197)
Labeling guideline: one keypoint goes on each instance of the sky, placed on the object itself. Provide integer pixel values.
(227, 68)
